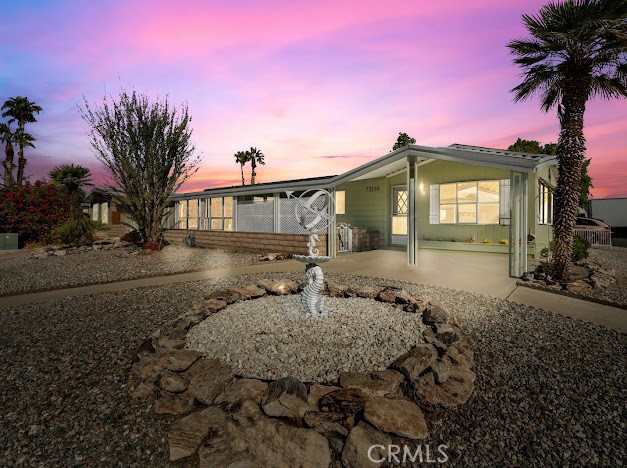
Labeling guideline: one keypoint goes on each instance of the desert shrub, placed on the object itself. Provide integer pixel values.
(33, 210)
(77, 231)
(580, 249)
(189, 240)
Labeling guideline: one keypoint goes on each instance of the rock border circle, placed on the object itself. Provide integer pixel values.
(229, 419)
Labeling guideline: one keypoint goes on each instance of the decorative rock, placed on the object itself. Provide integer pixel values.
(375, 384)
(455, 391)
(210, 306)
(461, 354)
(577, 272)
(400, 417)
(287, 397)
(170, 403)
(415, 361)
(181, 359)
(317, 391)
(227, 296)
(315, 418)
(174, 382)
(171, 344)
(286, 406)
(344, 402)
(330, 426)
(209, 379)
(446, 333)
(243, 389)
(265, 442)
(578, 286)
(360, 443)
(395, 296)
(188, 433)
(286, 385)
(435, 314)
(337, 290)
(284, 286)
(248, 292)
(441, 369)
(367, 292)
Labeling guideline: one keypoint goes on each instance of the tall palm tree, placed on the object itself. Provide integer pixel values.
(73, 178)
(241, 158)
(256, 157)
(577, 50)
(7, 137)
(22, 111)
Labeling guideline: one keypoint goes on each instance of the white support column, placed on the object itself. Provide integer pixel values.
(516, 224)
(524, 228)
(332, 228)
(412, 211)
(277, 218)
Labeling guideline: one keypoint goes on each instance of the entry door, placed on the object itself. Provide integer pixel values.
(400, 205)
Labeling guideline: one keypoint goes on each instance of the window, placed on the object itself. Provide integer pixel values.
(340, 202)
(470, 202)
(219, 213)
(400, 204)
(182, 214)
(545, 203)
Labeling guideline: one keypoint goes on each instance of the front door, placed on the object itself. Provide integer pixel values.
(400, 205)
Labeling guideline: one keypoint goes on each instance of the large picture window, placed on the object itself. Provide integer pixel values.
(545, 204)
(219, 213)
(470, 202)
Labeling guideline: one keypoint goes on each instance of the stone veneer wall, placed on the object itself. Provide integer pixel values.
(363, 239)
(252, 241)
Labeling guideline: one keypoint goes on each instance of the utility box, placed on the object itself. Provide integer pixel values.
(8, 241)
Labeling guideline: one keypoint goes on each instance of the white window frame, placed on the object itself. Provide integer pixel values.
(434, 217)
(545, 191)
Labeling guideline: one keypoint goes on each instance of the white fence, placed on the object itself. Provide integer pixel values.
(345, 238)
(602, 238)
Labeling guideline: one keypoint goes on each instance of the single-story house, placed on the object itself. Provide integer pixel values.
(458, 198)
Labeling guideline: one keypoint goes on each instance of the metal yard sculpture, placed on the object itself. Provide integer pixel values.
(312, 213)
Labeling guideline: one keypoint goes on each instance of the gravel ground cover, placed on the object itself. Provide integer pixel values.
(359, 335)
(616, 258)
(550, 390)
(20, 273)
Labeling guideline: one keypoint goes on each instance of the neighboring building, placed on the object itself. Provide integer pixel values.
(613, 211)
(103, 210)
(451, 198)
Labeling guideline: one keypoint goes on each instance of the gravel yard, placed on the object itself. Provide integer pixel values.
(359, 335)
(616, 258)
(550, 390)
(19, 272)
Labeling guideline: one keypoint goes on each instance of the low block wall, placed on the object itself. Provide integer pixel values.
(251, 241)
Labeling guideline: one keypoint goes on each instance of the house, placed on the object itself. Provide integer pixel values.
(457, 198)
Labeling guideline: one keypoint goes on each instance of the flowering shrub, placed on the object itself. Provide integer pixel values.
(33, 210)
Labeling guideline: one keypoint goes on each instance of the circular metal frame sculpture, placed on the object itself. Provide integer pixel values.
(313, 219)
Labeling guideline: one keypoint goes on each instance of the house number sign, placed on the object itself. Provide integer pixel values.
(372, 188)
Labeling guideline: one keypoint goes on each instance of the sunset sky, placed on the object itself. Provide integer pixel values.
(319, 86)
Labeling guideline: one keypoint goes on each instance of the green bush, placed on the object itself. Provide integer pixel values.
(580, 249)
(133, 236)
(189, 240)
(77, 232)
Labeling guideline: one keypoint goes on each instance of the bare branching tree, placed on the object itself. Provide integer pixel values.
(146, 146)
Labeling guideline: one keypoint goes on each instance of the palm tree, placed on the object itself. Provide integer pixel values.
(22, 111)
(7, 137)
(241, 158)
(256, 157)
(73, 178)
(578, 50)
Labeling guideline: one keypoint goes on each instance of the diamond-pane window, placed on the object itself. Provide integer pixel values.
(400, 201)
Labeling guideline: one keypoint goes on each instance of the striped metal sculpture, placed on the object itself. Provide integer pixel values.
(312, 214)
